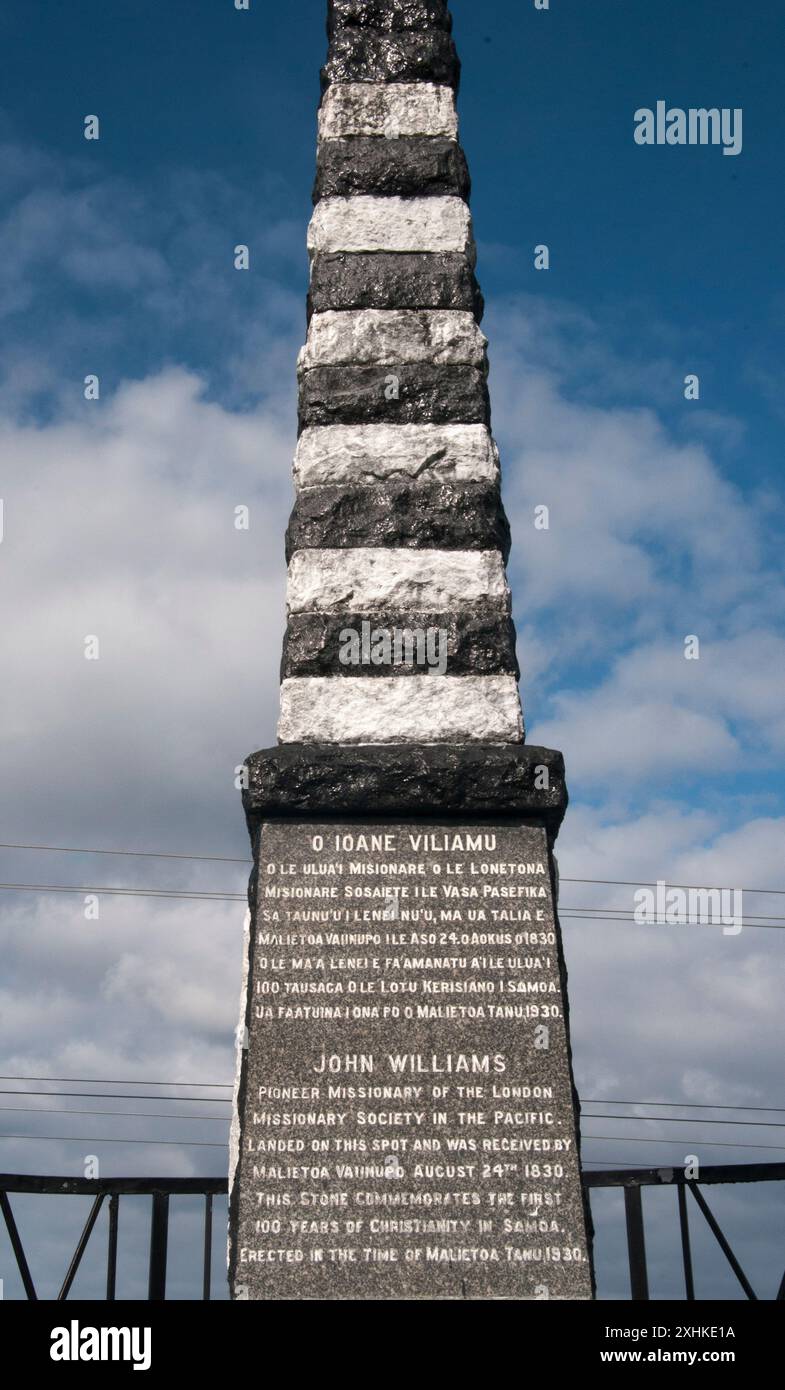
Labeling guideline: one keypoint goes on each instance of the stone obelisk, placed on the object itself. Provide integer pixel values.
(405, 1117)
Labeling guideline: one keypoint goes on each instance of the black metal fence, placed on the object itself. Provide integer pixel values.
(632, 1181)
(100, 1189)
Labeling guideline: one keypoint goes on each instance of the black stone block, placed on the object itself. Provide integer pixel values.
(436, 516)
(392, 16)
(367, 55)
(409, 167)
(299, 779)
(427, 395)
(393, 280)
(480, 642)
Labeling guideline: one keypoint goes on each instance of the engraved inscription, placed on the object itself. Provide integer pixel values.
(407, 1123)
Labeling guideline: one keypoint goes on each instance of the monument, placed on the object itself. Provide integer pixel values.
(405, 1116)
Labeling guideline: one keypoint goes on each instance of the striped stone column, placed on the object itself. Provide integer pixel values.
(398, 525)
(403, 935)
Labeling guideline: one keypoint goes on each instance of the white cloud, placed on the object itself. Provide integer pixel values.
(674, 1012)
(120, 524)
(658, 715)
(648, 543)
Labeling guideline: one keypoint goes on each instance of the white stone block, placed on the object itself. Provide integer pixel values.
(400, 709)
(368, 454)
(330, 581)
(367, 223)
(387, 337)
(387, 108)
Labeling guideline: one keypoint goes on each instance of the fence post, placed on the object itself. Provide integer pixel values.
(208, 1244)
(159, 1234)
(636, 1244)
(686, 1252)
(111, 1255)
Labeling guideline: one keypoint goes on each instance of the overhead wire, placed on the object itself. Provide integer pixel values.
(228, 1086)
(227, 859)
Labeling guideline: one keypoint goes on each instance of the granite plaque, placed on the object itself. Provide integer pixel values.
(406, 1116)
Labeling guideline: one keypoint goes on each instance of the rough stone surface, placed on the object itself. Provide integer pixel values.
(239, 1054)
(446, 516)
(425, 395)
(411, 167)
(375, 1066)
(369, 55)
(391, 224)
(387, 109)
(398, 794)
(371, 454)
(480, 641)
(422, 709)
(385, 337)
(385, 280)
(391, 16)
(329, 581)
(462, 780)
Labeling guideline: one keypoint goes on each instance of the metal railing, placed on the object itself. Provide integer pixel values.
(158, 1189)
(631, 1180)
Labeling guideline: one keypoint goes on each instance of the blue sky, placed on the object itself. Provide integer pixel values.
(683, 242)
(666, 515)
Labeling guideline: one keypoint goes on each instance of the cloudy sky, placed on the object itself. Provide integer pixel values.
(116, 259)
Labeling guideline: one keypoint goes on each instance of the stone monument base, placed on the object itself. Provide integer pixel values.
(407, 1117)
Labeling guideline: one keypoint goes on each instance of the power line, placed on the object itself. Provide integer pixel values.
(110, 1095)
(618, 1163)
(228, 1086)
(627, 914)
(708, 1143)
(213, 1100)
(132, 853)
(206, 1144)
(224, 1119)
(625, 1164)
(682, 1105)
(124, 1114)
(107, 1139)
(120, 892)
(225, 1100)
(118, 1081)
(164, 1115)
(680, 1119)
(226, 859)
(587, 914)
(583, 915)
(698, 887)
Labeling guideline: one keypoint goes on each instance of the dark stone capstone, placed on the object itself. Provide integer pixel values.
(437, 516)
(409, 167)
(302, 779)
(393, 280)
(427, 395)
(480, 642)
(392, 16)
(367, 55)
